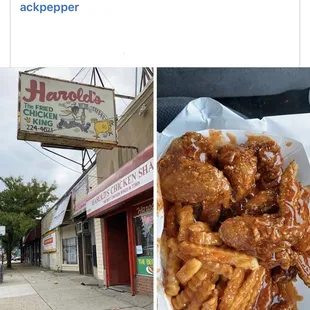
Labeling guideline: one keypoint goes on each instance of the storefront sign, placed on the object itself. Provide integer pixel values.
(65, 113)
(132, 181)
(145, 265)
(60, 212)
(49, 242)
(143, 208)
(2, 230)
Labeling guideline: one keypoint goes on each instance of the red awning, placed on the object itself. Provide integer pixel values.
(133, 178)
(34, 234)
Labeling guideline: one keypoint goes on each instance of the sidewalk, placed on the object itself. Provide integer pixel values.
(28, 287)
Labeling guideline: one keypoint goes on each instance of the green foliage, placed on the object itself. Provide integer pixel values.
(20, 205)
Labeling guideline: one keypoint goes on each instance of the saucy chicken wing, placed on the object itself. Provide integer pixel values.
(270, 236)
(194, 146)
(240, 167)
(302, 261)
(188, 181)
(263, 202)
(270, 160)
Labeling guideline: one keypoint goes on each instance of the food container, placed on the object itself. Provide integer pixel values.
(290, 150)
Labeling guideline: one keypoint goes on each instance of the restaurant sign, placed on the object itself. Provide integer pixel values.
(145, 265)
(49, 242)
(65, 113)
(132, 181)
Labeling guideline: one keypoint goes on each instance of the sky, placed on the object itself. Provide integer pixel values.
(17, 158)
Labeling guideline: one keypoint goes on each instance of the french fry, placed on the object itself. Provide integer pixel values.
(188, 270)
(232, 288)
(183, 257)
(218, 268)
(205, 238)
(202, 294)
(186, 218)
(199, 227)
(182, 300)
(221, 286)
(243, 296)
(173, 266)
(255, 291)
(171, 222)
(220, 255)
(212, 303)
(265, 297)
(164, 249)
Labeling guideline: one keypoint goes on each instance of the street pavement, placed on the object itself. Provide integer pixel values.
(28, 287)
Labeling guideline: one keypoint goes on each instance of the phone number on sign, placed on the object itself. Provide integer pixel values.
(36, 128)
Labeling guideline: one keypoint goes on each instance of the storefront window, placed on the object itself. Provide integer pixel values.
(144, 243)
(69, 251)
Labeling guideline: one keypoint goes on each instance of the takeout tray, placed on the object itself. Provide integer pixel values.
(290, 149)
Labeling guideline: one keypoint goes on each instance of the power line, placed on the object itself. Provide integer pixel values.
(92, 176)
(53, 159)
(112, 85)
(85, 75)
(80, 71)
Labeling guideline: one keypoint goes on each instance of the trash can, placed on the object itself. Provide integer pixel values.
(1, 273)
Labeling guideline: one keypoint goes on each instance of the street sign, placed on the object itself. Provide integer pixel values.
(2, 230)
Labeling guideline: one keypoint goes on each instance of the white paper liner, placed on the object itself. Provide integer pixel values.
(207, 113)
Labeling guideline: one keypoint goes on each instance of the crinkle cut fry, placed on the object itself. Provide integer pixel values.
(183, 298)
(247, 289)
(255, 291)
(211, 304)
(216, 254)
(205, 238)
(188, 270)
(201, 295)
(173, 266)
(164, 249)
(199, 227)
(232, 288)
(266, 294)
(218, 268)
(171, 222)
(186, 218)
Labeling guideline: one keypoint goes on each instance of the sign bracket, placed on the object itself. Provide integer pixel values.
(84, 153)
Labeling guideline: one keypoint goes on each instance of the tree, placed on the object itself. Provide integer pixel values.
(20, 205)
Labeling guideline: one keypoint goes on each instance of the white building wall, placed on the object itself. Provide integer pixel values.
(49, 260)
(99, 250)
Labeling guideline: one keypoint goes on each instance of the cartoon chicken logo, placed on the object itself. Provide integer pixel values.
(103, 128)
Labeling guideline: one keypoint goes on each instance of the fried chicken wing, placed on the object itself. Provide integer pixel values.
(194, 146)
(270, 236)
(302, 261)
(270, 160)
(263, 202)
(303, 244)
(187, 181)
(240, 167)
